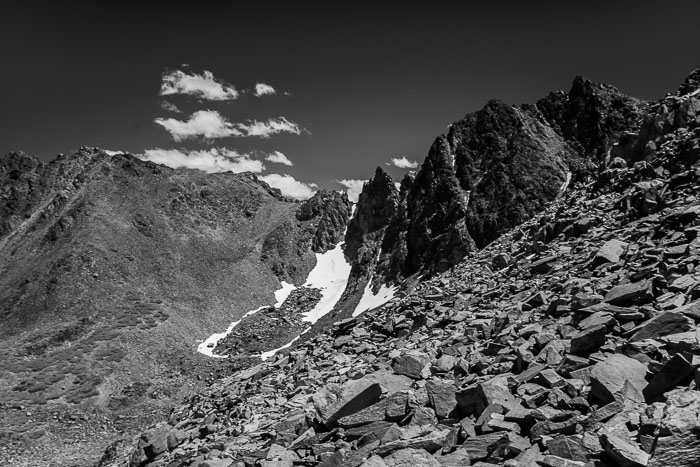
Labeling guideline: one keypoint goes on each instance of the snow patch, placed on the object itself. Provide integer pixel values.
(209, 344)
(265, 355)
(331, 276)
(371, 300)
(564, 185)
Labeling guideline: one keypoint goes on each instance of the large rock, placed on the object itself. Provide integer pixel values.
(667, 322)
(410, 457)
(618, 377)
(413, 364)
(631, 293)
(678, 443)
(442, 397)
(623, 452)
(675, 372)
(610, 252)
(588, 340)
(336, 401)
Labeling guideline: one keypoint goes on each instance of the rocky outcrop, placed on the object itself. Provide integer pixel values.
(591, 116)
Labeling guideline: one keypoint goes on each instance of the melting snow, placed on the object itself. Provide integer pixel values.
(564, 185)
(331, 276)
(370, 300)
(207, 347)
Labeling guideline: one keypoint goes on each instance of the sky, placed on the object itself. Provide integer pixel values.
(309, 95)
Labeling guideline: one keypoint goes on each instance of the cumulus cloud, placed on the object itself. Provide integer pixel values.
(403, 163)
(289, 186)
(211, 124)
(203, 86)
(208, 160)
(269, 128)
(353, 188)
(262, 89)
(205, 123)
(279, 158)
(170, 107)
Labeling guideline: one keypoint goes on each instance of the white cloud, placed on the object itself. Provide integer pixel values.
(109, 152)
(279, 158)
(403, 163)
(206, 123)
(203, 86)
(353, 188)
(269, 128)
(289, 186)
(211, 124)
(262, 89)
(208, 160)
(170, 107)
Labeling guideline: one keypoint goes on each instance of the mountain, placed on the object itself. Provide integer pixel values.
(113, 269)
(478, 312)
(571, 339)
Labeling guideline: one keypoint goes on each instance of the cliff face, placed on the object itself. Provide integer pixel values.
(493, 170)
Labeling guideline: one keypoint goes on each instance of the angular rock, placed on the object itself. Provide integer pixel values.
(610, 252)
(631, 293)
(623, 452)
(410, 457)
(618, 376)
(678, 443)
(675, 372)
(337, 401)
(442, 398)
(413, 364)
(666, 322)
(588, 340)
(481, 446)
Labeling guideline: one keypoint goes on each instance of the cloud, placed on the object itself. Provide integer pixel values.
(211, 124)
(262, 89)
(206, 123)
(109, 152)
(353, 188)
(170, 107)
(279, 158)
(403, 163)
(269, 128)
(289, 186)
(208, 160)
(203, 86)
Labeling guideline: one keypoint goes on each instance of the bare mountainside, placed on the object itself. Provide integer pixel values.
(113, 269)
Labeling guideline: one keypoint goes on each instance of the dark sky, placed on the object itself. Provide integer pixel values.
(368, 82)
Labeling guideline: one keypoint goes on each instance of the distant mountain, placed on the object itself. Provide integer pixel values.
(112, 269)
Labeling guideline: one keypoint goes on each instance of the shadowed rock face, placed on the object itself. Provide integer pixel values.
(591, 116)
(494, 169)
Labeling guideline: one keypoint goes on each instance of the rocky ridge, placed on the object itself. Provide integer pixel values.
(572, 340)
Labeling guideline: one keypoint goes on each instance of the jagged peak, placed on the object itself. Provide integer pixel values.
(690, 84)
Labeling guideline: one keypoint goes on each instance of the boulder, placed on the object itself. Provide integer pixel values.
(667, 322)
(442, 398)
(413, 364)
(675, 372)
(337, 401)
(631, 293)
(678, 443)
(623, 452)
(618, 376)
(610, 252)
(410, 457)
(588, 340)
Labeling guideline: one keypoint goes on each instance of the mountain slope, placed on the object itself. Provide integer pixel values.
(113, 269)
